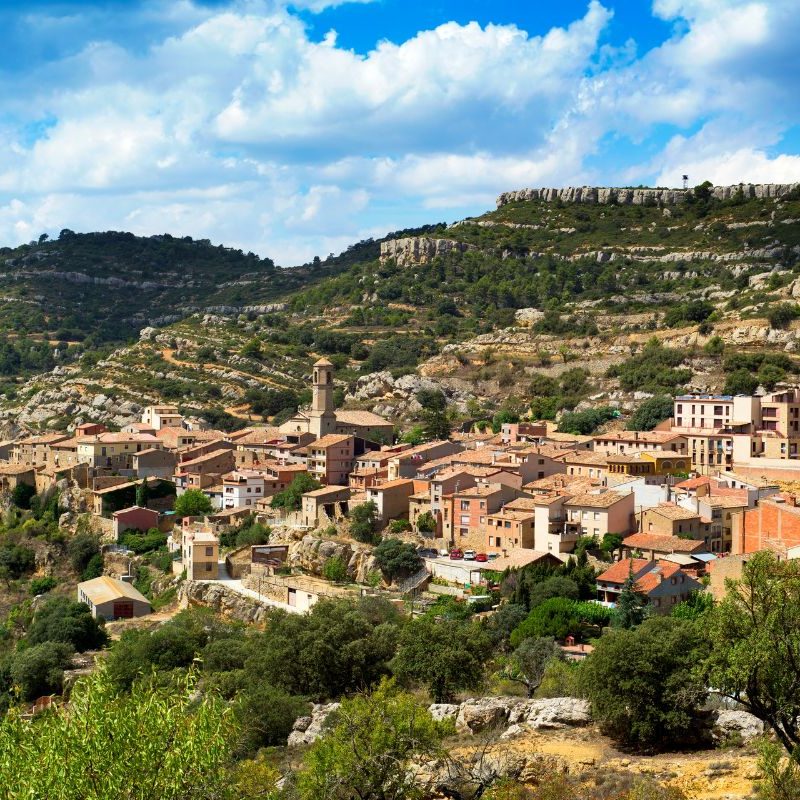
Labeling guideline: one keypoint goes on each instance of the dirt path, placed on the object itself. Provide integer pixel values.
(169, 355)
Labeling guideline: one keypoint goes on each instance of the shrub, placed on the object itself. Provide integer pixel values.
(39, 670)
(654, 369)
(42, 585)
(586, 422)
(740, 382)
(397, 558)
(140, 542)
(556, 617)
(426, 523)
(335, 570)
(192, 503)
(362, 522)
(643, 684)
(63, 620)
(291, 498)
(781, 315)
(22, 494)
(399, 525)
(16, 560)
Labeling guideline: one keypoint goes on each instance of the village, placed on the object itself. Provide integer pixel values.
(679, 509)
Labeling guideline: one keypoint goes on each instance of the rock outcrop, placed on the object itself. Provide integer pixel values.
(307, 730)
(733, 723)
(311, 553)
(420, 249)
(224, 601)
(638, 197)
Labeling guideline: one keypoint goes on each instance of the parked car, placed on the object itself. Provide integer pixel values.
(493, 556)
(456, 553)
(481, 557)
(427, 552)
(444, 553)
(469, 555)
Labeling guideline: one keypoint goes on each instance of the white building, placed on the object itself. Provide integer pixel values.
(159, 417)
(242, 488)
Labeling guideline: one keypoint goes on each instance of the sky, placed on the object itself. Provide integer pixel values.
(293, 129)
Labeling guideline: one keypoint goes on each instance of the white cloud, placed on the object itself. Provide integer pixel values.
(233, 124)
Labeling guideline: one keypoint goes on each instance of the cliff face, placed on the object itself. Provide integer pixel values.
(420, 249)
(638, 197)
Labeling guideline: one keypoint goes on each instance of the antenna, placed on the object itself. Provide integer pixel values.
(685, 181)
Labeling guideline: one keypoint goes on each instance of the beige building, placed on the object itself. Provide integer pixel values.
(111, 599)
(323, 505)
(200, 552)
(115, 450)
(162, 416)
(669, 519)
(331, 458)
(510, 529)
(598, 514)
(391, 498)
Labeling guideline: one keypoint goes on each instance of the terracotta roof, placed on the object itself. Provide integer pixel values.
(327, 490)
(366, 418)
(113, 438)
(512, 513)
(663, 543)
(587, 457)
(604, 500)
(323, 362)
(330, 440)
(480, 491)
(619, 572)
(390, 484)
(636, 436)
(673, 512)
(694, 483)
(259, 436)
(562, 481)
(663, 569)
(715, 501)
(15, 469)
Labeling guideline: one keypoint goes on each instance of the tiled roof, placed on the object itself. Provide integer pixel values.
(604, 500)
(636, 436)
(673, 512)
(103, 589)
(586, 457)
(694, 483)
(366, 418)
(516, 558)
(663, 543)
(330, 440)
(619, 572)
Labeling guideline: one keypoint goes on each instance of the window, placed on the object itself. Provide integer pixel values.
(208, 566)
(209, 551)
(465, 505)
(597, 515)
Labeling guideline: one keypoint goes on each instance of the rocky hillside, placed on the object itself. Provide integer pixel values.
(549, 299)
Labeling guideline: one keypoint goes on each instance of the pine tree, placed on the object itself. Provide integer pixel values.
(630, 607)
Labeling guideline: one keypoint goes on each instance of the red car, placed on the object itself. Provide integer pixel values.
(456, 554)
(481, 557)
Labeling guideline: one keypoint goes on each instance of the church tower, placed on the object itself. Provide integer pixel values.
(322, 417)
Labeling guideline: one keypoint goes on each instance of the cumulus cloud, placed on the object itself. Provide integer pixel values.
(232, 123)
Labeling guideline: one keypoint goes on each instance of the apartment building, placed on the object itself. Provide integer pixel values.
(115, 450)
(592, 514)
(464, 512)
(242, 488)
(331, 458)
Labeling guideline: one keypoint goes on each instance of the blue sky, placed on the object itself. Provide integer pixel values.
(295, 129)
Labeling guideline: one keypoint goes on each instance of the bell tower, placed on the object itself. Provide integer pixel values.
(322, 416)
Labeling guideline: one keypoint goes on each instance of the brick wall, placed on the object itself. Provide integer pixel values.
(771, 526)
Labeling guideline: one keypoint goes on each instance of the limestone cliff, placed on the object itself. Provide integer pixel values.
(420, 249)
(638, 197)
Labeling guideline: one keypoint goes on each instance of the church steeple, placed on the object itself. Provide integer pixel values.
(322, 416)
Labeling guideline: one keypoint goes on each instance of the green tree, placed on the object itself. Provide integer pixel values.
(335, 570)
(81, 549)
(22, 494)
(643, 684)
(291, 498)
(557, 617)
(755, 653)
(426, 523)
(630, 608)
(182, 746)
(444, 655)
(369, 751)
(192, 503)
(697, 605)
(527, 664)
(741, 381)
(142, 493)
(362, 522)
(396, 558)
(556, 586)
(264, 717)
(62, 620)
(650, 413)
(715, 346)
(435, 425)
(781, 315)
(432, 399)
(39, 670)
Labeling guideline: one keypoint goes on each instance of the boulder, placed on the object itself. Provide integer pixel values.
(483, 713)
(733, 722)
(440, 711)
(558, 712)
(307, 730)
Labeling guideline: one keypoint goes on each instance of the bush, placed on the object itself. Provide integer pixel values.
(291, 498)
(362, 522)
(42, 585)
(654, 369)
(399, 525)
(426, 523)
(82, 549)
(335, 570)
(192, 503)
(16, 560)
(140, 542)
(643, 684)
(63, 620)
(553, 587)
(586, 422)
(781, 315)
(396, 558)
(715, 346)
(39, 670)
(265, 716)
(556, 617)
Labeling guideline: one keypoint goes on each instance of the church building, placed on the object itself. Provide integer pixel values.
(323, 419)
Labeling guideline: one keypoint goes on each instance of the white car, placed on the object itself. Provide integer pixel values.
(444, 553)
(469, 555)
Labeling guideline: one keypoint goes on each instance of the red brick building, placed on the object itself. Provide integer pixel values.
(773, 525)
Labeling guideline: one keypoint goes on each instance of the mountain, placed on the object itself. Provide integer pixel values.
(549, 299)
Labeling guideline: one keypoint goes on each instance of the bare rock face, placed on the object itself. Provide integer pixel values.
(311, 553)
(558, 712)
(420, 249)
(307, 730)
(638, 197)
(224, 601)
(483, 713)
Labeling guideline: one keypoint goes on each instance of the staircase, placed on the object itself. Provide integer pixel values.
(414, 582)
